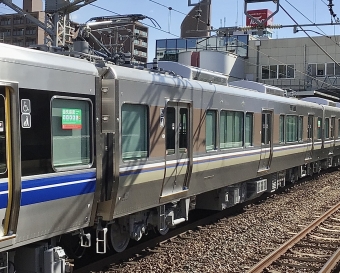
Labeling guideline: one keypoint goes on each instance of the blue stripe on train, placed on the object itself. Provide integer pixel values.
(35, 196)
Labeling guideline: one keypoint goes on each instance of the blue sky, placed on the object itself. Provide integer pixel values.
(228, 11)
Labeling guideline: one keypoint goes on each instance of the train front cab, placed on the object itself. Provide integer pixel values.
(10, 164)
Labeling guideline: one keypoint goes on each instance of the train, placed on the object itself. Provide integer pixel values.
(95, 154)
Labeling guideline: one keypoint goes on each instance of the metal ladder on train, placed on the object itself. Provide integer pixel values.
(162, 226)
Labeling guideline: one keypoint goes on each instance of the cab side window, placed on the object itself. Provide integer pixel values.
(71, 133)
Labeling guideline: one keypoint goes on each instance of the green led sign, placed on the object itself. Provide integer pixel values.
(71, 119)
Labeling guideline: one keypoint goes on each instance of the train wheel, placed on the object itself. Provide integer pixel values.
(163, 231)
(119, 238)
(72, 247)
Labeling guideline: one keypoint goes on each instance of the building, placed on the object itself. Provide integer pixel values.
(15, 29)
(295, 63)
(132, 37)
(169, 49)
(298, 64)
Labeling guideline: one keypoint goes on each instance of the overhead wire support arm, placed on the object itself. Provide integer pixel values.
(322, 49)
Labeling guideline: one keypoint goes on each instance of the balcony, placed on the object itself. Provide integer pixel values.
(18, 21)
(17, 32)
(5, 22)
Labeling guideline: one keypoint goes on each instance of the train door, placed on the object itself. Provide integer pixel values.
(10, 165)
(266, 140)
(178, 148)
(310, 138)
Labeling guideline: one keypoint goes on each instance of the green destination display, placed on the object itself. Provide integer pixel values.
(71, 119)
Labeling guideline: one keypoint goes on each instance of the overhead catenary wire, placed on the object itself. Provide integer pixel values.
(159, 29)
(322, 49)
(187, 15)
(303, 73)
(313, 23)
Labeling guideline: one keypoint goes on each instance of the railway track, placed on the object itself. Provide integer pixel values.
(242, 239)
(156, 244)
(316, 248)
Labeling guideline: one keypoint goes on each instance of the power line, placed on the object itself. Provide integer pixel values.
(143, 23)
(304, 16)
(324, 51)
(303, 73)
(186, 15)
(313, 22)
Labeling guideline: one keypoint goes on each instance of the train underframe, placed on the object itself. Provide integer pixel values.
(53, 255)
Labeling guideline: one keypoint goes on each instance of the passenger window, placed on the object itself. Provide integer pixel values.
(291, 128)
(249, 130)
(210, 130)
(3, 163)
(300, 128)
(319, 128)
(332, 127)
(327, 128)
(134, 131)
(71, 133)
(231, 130)
(338, 128)
(282, 129)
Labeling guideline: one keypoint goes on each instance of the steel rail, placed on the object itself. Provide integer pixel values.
(331, 263)
(275, 255)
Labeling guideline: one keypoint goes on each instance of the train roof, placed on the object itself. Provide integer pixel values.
(34, 69)
(151, 76)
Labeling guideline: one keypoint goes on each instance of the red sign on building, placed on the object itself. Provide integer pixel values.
(261, 15)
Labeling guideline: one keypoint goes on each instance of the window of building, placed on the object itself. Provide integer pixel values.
(291, 128)
(161, 44)
(290, 71)
(337, 70)
(248, 130)
(71, 133)
(319, 128)
(134, 131)
(282, 129)
(5, 32)
(18, 20)
(323, 69)
(326, 127)
(5, 21)
(171, 44)
(181, 44)
(210, 130)
(191, 43)
(282, 71)
(231, 129)
(273, 72)
(265, 72)
(330, 69)
(320, 69)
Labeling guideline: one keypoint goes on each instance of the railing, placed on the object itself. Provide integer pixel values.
(315, 83)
